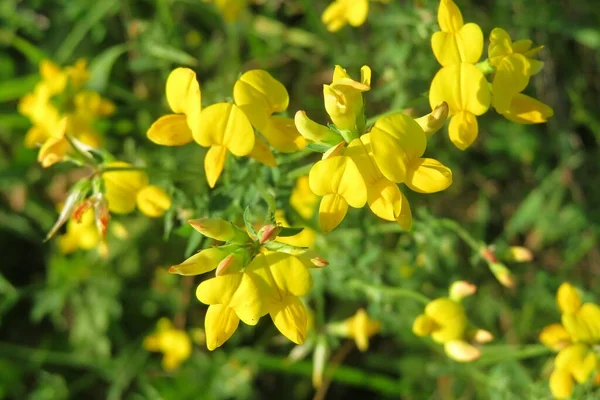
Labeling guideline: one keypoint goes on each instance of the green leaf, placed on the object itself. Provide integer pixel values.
(248, 223)
(101, 66)
(289, 231)
(170, 54)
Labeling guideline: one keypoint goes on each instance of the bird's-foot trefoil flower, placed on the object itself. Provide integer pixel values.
(173, 343)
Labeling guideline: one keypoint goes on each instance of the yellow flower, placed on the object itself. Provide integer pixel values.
(464, 88)
(302, 199)
(555, 337)
(360, 327)
(338, 180)
(183, 96)
(343, 99)
(174, 343)
(153, 201)
(457, 42)
(514, 65)
(342, 12)
(81, 234)
(582, 321)
(572, 364)
(446, 322)
(260, 95)
(229, 9)
(122, 187)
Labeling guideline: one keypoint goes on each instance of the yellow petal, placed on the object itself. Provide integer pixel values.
(568, 299)
(183, 91)
(357, 12)
(464, 45)
(220, 324)
(122, 187)
(338, 175)
(361, 153)
(463, 129)
(53, 151)
(511, 77)
(426, 175)
(259, 95)
(332, 210)
(314, 132)
(153, 201)
(291, 320)
(214, 228)
(214, 161)
(200, 263)
(170, 130)
(463, 87)
(405, 217)
(449, 16)
(590, 315)
(385, 199)
(450, 318)
(500, 46)
(555, 337)
(461, 351)
(303, 199)
(561, 383)
(396, 140)
(289, 274)
(433, 122)
(527, 110)
(423, 325)
(365, 75)
(262, 153)
(334, 16)
(282, 134)
(220, 289)
(35, 136)
(344, 104)
(225, 124)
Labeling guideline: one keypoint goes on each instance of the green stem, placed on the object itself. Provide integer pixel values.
(495, 354)
(343, 374)
(373, 290)
(475, 244)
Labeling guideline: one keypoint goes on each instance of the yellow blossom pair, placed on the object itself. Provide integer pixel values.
(227, 127)
(252, 279)
(59, 105)
(574, 340)
(463, 86)
(365, 167)
(126, 189)
(446, 322)
(175, 344)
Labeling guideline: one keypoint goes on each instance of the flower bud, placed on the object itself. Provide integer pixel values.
(153, 201)
(461, 351)
(503, 274)
(460, 289)
(224, 265)
(268, 233)
(519, 254)
(214, 228)
(433, 122)
(483, 336)
(122, 187)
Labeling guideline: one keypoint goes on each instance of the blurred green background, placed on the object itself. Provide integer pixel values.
(72, 326)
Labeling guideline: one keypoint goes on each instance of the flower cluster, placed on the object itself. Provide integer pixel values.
(575, 340)
(446, 322)
(60, 105)
(361, 166)
(461, 82)
(255, 275)
(228, 127)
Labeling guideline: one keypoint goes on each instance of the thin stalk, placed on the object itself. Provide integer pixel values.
(372, 290)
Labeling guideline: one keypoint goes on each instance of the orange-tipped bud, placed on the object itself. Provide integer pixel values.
(267, 233)
(214, 228)
(80, 209)
(483, 336)
(319, 262)
(461, 351)
(224, 265)
(460, 289)
(489, 255)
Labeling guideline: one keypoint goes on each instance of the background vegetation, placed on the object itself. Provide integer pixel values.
(72, 326)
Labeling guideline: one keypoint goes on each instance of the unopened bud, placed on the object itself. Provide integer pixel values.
(267, 233)
(224, 265)
(319, 262)
(214, 228)
(503, 274)
(489, 255)
(461, 351)
(433, 122)
(483, 336)
(519, 254)
(460, 289)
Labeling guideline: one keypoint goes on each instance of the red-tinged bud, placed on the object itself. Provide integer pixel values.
(101, 214)
(224, 265)
(80, 209)
(214, 228)
(489, 255)
(319, 262)
(519, 254)
(267, 233)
